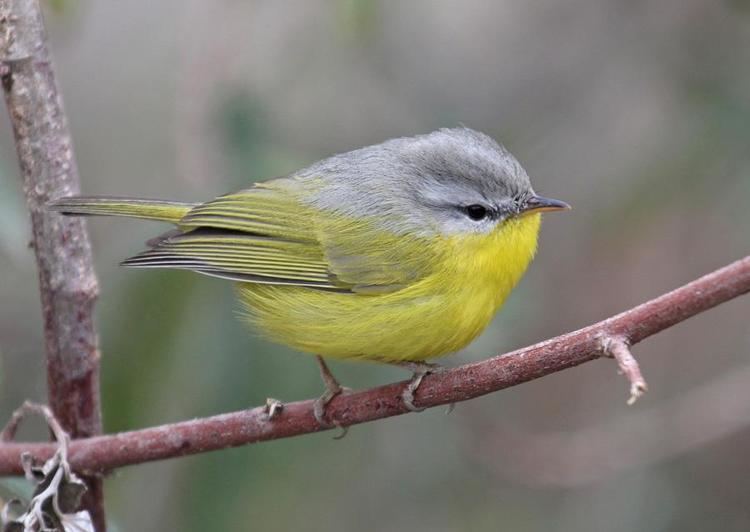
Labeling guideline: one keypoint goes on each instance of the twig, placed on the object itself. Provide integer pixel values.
(618, 349)
(105, 453)
(67, 281)
(9, 431)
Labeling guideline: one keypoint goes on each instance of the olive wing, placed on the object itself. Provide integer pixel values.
(266, 235)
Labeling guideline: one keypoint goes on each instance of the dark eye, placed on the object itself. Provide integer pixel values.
(476, 212)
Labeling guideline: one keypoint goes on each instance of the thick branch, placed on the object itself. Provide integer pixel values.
(104, 453)
(67, 281)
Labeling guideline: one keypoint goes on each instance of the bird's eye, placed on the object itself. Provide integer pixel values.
(476, 212)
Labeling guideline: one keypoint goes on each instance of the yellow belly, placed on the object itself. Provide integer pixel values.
(435, 316)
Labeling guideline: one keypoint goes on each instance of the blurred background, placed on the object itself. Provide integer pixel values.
(637, 113)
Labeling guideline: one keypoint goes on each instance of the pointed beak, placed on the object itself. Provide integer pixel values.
(540, 204)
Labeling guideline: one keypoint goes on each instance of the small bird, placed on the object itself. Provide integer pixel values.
(398, 252)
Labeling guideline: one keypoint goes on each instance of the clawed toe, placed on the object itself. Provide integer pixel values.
(419, 369)
(407, 396)
(319, 411)
(333, 389)
(320, 404)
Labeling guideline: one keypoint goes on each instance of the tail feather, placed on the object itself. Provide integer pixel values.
(160, 210)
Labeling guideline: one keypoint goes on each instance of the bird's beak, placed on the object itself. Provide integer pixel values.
(540, 204)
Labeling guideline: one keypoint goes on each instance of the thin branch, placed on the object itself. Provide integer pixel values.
(67, 281)
(105, 453)
(9, 431)
(618, 349)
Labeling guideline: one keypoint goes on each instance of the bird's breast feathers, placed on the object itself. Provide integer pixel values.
(470, 277)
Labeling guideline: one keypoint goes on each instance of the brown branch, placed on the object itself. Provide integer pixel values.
(67, 281)
(618, 349)
(104, 453)
(9, 431)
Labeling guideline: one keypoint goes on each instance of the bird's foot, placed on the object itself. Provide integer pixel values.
(320, 404)
(419, 370)
(333, 389)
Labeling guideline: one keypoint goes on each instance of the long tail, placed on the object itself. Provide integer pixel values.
(164, 211)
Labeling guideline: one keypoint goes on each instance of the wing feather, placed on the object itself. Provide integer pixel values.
(266, 235)
(239, 256)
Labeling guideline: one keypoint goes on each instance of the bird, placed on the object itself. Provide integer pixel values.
(400, 252)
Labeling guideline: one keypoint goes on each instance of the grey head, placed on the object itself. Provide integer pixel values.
(447, 182)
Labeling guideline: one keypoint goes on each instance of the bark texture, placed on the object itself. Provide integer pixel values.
(67, 281)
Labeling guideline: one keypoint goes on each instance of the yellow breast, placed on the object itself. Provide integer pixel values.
(435, 316)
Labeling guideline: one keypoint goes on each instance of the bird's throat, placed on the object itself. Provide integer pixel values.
(492, 264)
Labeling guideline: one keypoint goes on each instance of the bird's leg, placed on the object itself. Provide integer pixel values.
(419, 370)
(333, 388)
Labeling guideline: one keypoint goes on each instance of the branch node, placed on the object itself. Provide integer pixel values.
(273, 408)
(617, 348)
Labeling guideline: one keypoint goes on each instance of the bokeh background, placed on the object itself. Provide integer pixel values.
(635, 112)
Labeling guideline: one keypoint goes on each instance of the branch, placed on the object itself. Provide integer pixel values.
(105, 453)
(618, 349)
(67, 281)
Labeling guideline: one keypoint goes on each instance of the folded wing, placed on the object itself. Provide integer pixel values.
(266, 235)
